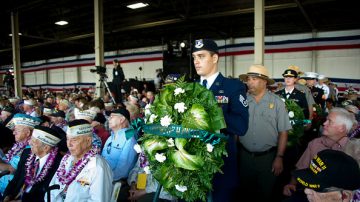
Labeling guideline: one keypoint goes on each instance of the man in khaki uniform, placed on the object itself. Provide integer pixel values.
(263, 145)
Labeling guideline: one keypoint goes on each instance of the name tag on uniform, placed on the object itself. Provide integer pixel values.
(141, 181)
(222, 99)
(116, 73)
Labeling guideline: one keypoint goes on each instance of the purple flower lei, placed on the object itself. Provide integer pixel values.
(67, 177)
(356, 196)
(143, 161)
(18, 146)
(30, 178)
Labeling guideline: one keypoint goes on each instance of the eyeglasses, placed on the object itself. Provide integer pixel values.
(331, 189)
(335, 189)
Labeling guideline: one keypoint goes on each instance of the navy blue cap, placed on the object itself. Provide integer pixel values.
(205, 44)
(123, 112)
(58, 114)
(330, 168)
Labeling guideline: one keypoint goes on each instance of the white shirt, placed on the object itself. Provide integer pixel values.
(290, 91)
(93, 183)
(210, 80)
(325, 88)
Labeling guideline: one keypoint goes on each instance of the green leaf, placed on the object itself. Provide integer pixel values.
(183, 159)
(153, 145)
(196, 118)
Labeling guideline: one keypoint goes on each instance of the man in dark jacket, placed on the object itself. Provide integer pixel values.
(36, 167)
(118, 78)
(9, 82)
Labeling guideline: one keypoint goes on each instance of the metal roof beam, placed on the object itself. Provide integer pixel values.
(307, 18)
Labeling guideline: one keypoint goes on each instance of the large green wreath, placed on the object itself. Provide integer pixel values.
(297, 121)
(181, 141)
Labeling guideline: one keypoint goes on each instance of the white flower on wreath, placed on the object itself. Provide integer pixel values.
(147, 109)
(152, 118)
(291, 114)
(160, 157)
(137, 148)
(147, 170)
(180, 107)
(180, 188)
(209, 147)
(165, 121)
(283, 99)
(314, 109)
(177, 91)
(170, 142)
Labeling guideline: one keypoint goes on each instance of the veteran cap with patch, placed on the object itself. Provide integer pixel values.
(330, 168)
(26, 120)
(29, 102)
(205, 44)
(78, 128)
(84, 114)
(46, 135)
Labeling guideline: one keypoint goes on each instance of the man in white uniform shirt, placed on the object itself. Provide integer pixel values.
(83, 175)
(322, 85)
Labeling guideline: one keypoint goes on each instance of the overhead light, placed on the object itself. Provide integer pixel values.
(61, 22)
(137, 5)
(182, 44)
(19, 34)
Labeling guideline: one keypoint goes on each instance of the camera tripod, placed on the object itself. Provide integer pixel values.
(103, 82)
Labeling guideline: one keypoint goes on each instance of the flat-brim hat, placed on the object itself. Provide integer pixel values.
(310, 75)
(258, 71)
(290, 73)
(323, 78)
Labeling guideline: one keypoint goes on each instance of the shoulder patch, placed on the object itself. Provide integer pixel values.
(243, 101)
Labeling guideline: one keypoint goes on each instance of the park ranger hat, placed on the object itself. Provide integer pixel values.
(258, 71)
(205, 44)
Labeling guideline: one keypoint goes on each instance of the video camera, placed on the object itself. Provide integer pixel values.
(99, 70)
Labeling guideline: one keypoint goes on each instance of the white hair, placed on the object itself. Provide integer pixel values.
(344, 117)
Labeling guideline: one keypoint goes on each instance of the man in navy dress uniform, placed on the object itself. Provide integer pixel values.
(231, 95)
(290, 91)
